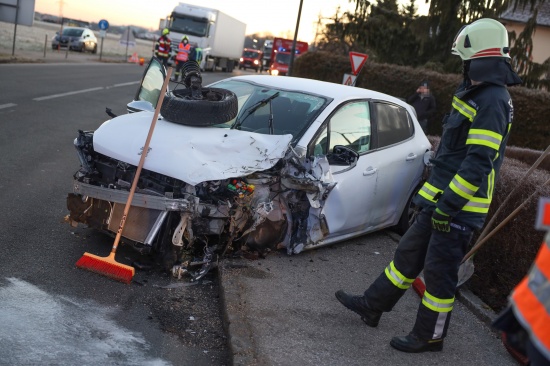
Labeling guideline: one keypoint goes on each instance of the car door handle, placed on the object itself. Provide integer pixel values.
(370, 171)
(411, 156)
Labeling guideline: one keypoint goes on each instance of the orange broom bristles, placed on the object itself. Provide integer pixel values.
(107, 266)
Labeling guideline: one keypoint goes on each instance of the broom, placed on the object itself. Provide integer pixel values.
(108, 266)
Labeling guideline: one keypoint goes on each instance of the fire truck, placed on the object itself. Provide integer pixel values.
(280, 55)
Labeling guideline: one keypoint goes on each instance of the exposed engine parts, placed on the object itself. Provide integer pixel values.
(191, 227)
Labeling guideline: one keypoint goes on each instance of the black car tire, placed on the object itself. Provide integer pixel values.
(218, 106)
(94, 50)
(407, 216)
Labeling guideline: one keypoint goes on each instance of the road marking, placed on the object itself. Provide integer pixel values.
(80, 91)
(9, 105)
(126, 84)
(67, 94)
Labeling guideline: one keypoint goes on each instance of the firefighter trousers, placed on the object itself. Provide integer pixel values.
(437, 253)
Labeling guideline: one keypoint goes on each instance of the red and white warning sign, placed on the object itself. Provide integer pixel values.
(357, 61)
(349, 79)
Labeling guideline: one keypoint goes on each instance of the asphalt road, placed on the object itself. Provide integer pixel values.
(51, 312)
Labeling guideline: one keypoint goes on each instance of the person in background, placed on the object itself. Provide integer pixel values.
(424, 104)
(456, 197)
(184, 49)
(163, 47)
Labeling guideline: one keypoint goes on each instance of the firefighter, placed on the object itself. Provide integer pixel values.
(184, 49)
(163, 47)
(455, 198)
(526, 321)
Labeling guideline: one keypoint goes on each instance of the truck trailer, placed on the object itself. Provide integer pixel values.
(220, 36)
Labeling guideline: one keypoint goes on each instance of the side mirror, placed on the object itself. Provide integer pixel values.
(343, 155)
(139, 106)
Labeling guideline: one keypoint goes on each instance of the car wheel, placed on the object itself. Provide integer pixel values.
(217, 106)
(94, 50)
(407, 216)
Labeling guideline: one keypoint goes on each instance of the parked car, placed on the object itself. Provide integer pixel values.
(299, 164)
(75, 38)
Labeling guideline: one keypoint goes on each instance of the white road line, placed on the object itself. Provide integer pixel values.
(9, 105)
(67, 94)
(126, 84)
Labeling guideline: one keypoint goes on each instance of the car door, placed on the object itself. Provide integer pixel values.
(148, 93)
(348, 207)
(398, 160)
(371, 193)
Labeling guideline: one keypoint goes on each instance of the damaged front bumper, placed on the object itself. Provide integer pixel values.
(281, 208)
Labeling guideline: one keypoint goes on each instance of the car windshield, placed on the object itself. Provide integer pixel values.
(250, 54)
(292, 111)
(283, 58)
(189, 25)
(71, 32)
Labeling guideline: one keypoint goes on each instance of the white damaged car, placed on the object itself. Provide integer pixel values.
(266, 164)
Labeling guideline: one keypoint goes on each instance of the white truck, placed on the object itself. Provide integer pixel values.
(220, 36)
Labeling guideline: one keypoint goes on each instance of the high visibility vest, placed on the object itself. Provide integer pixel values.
(183, 52)
(163, 46)
(531, 300)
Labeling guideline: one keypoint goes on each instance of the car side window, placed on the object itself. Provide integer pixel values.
(350, 126)
(393, 124)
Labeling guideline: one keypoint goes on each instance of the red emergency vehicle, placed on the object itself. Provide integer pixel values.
(252, 59)
(280, 56)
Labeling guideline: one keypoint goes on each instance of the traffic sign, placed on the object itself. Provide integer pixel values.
(103, 24)
(357, 61)
(349, 79)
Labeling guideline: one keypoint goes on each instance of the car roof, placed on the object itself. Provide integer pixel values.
(331, 90)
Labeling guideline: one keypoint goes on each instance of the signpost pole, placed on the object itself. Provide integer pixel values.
(15, 27)
(103, 26)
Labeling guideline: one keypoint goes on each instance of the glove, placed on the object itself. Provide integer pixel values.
(441, 221)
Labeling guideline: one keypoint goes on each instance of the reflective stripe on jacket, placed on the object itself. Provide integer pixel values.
(531, 300)
(183, 52)
(470, 154)
(162, 47)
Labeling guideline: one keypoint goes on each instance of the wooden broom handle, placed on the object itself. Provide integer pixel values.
(533, 167)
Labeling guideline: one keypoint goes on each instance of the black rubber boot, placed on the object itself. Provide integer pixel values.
(359, 305)
(412, 344)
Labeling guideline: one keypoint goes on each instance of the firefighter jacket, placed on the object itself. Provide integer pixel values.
(530, 300)
(162, 47)
(470, 153)
(183, 52)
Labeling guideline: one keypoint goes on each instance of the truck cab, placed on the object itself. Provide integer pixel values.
(279, 66)
(251, 59)
(218, 35)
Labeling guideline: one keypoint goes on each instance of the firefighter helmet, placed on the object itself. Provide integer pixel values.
(165, 31)
(483, 38)
(185, 39)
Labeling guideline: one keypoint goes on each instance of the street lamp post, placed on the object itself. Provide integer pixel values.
(291, 63)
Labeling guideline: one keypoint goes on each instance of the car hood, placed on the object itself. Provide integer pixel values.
(191, 154)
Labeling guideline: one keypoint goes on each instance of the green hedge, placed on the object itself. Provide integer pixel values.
(531, 127)
(503, 261)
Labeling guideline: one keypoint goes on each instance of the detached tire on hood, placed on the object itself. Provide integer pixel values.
(217, 106)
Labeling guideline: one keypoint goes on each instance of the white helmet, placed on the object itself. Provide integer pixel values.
(483, 38)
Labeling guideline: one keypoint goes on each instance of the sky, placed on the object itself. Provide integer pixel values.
(276, 17)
